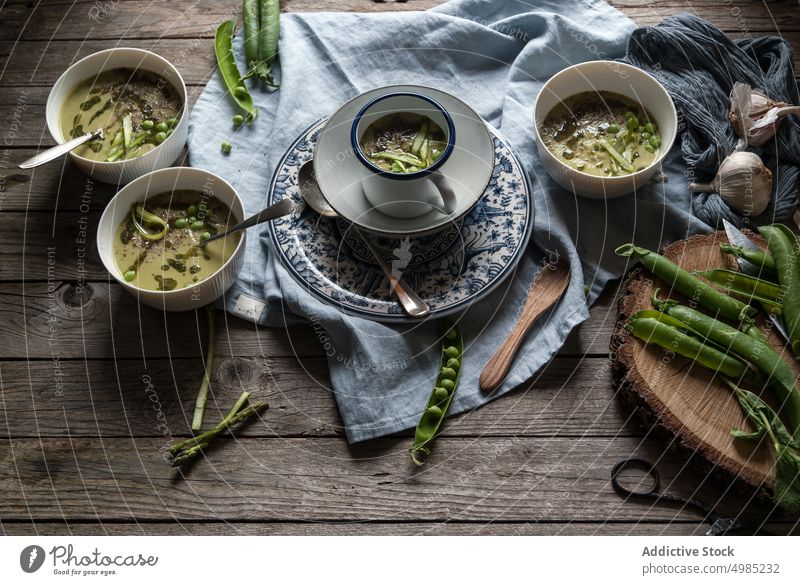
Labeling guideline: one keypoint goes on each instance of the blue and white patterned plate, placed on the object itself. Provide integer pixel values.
(449, 270)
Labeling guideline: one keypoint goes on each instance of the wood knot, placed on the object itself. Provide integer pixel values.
(238, 372)
(75, 295)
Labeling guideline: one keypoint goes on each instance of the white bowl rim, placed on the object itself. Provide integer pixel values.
(148, 176)
(184, 97)
(428, 229)
(619, 178)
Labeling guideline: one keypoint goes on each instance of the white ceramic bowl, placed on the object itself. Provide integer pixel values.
(467, 170)
(616, 77)
(205, 291)
(120, 172)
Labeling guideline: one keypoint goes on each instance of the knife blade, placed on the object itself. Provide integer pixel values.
(737, 238)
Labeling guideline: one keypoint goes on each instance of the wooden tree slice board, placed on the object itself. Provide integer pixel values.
(687, 400)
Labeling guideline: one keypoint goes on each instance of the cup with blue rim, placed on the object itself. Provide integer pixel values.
(405, 194)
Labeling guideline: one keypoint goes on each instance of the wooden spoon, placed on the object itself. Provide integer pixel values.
(547, 288)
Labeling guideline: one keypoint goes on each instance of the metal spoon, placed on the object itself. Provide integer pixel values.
(309, 189)
(53, 153)
(279, 209)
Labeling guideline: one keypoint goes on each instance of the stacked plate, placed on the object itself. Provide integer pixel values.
(449, 259)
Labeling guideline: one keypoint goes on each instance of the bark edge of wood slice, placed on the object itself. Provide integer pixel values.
(681, 398)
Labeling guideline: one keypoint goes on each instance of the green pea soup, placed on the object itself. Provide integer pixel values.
(174, 260)
(136, 109)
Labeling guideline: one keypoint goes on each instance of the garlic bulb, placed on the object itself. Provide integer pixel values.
(743, 182)
(754, 116)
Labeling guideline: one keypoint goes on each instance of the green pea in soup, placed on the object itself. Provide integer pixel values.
(601, 133)
(137, 111)
(156, 247)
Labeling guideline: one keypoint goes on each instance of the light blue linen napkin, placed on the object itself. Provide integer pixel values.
(495, 55)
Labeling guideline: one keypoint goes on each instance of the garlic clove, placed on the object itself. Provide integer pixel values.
(743, 182)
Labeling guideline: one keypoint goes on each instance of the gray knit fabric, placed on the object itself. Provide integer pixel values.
(698, 65)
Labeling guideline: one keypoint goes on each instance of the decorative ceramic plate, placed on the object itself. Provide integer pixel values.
(339, 173)
(449, 269)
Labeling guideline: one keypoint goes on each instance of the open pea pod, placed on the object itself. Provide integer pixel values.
(442, 394)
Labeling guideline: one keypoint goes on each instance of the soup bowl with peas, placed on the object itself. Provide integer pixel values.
(136, 97)
(151, 238)
(603, 127)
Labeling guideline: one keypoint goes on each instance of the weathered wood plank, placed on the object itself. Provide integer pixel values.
(506, 479)
(70, 323)
(569, 397)
(369, 529)
(62, 19)
(40, 63)
(42, 319)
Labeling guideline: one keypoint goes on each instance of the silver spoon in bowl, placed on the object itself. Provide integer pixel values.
(309, 189)
(53, 153)
(279, 209)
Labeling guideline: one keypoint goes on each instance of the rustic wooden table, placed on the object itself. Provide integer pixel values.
(90, 380)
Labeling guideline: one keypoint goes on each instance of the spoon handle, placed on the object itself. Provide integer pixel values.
(53, 153)
(412, 304)
(281, 208)
(546, 289)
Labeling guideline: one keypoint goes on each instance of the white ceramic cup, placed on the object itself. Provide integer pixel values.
(616, 77)
(123, 171)
(165, 180)
(405, 195)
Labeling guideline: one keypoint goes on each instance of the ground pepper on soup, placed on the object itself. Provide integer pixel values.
(156, 246)
(601, 133)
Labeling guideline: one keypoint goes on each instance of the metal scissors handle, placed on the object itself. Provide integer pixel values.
(719, 525)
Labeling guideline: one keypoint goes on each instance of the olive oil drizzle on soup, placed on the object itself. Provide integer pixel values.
(175, 260)
(602, 133)
(137, 111)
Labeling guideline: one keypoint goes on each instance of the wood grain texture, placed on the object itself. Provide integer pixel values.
(537, 460)
(66, 20)
(569, 397)
(100, 320)
(600, 528)
(688, 401)
(507, 479)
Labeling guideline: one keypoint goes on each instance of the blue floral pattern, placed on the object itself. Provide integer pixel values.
(449, 269)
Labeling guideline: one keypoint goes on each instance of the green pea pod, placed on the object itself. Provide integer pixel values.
(748, 348)
(223, 48)
(252, 23)
(269, 33)
(755, 289)
(758, 258)
(442, 395)
(690, 286)
(784, 249)
(657, 332)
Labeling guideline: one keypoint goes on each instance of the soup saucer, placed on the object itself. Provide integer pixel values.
(467, 170)
(449, 269)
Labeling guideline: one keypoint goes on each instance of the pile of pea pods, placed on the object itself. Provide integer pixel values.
(738, 352)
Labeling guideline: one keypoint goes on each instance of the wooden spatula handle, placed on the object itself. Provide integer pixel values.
(550, 284)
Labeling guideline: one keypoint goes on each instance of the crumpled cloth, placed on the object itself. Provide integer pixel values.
(496, 55)
(698, 65)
